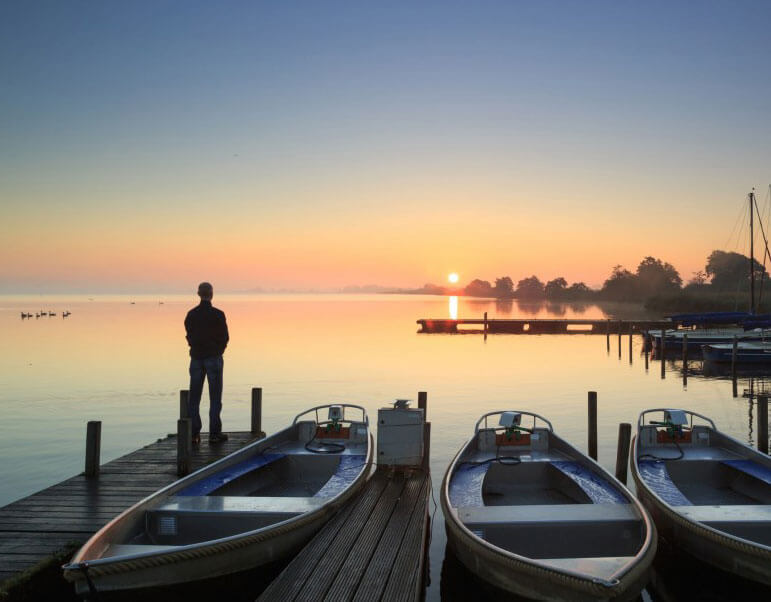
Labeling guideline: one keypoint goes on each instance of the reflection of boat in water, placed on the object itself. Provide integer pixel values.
(256, 506)
(533, 516)
(747, 352)
(709, 494)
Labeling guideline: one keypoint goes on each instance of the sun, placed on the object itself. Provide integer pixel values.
(453, 278)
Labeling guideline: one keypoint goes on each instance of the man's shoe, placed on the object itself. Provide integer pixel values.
(218, 438)
(196, 440)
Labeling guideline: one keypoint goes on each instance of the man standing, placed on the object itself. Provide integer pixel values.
(207, 335)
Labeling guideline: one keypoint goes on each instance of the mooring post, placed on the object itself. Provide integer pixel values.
(622, 451)
(484, 328)
(93, 447)
(593, 425)
(184, 411)
(184, 446)
(423, 405)
(607, 334)
(630, 342)
(618, 324)
(646, 344)
(733, 357)
(763, 423)
(256, 409)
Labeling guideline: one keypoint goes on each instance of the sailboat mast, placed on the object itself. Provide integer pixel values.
(752, 254)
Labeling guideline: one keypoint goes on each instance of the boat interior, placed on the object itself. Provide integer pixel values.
(533, 495)
(708, 477)
(274, 483)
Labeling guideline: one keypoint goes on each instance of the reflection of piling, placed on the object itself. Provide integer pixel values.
(607, 335)
(685, 360)
(592, 424)
(646, 350)
(661, 349)
(485, 326)
(630, 343)
(733, 366)
(763, 423)
(622, 451)
(619, 340)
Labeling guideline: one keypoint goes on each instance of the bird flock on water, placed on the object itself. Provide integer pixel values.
(43, 314)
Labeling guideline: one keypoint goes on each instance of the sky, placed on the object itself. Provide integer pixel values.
(148, 145)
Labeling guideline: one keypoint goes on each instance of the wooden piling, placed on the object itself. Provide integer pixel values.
(184, 446)
(592, 424)
(646, 351)
(661, 348)
(619, 339)
(423, 403)
(256, 410)
(607, 335)
(622, 451)
(734, 351)
(93, 447)
(184, 411)
(630, 343)
(484, 328)
(763, 423)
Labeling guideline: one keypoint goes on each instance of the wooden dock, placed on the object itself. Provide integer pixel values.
(538, 326)
(42, 526)
(373, 549)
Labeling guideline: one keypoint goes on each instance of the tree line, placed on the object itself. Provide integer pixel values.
(724, 272)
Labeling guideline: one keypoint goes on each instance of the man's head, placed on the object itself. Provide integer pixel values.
(205, 291)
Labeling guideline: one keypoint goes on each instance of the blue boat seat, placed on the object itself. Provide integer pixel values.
(346, 473)
(599, 490)
(224, 476)
(656, 477)
(466, 485)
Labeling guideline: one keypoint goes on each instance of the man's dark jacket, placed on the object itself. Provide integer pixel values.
(207, 331)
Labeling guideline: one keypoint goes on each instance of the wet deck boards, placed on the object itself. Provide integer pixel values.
(35, 528)
(373, 549)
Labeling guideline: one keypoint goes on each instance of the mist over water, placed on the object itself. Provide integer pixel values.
(124, 363)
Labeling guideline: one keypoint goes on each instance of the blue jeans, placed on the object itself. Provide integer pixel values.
(211, 369)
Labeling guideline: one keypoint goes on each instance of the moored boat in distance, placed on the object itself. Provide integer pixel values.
(256, 506)
(747, 352)
(709, 494)
(533, 516)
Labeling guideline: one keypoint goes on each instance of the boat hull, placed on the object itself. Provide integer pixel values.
(568, 551)
(745, 353)
(718, 539)
(251, 509)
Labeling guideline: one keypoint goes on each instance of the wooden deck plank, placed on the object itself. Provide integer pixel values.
(358, 555)
(328, 548)
(350, 574)
(373, 582)
(410, 560)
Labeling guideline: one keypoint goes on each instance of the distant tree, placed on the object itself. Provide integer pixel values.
(578, 290)
(479, 288)
(555, 289)
(655, 277)
(530, 288)
(504, 287)
(730, 271)
(622, 285)
(698, 279)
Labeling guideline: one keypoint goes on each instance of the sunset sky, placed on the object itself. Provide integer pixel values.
(145, 146)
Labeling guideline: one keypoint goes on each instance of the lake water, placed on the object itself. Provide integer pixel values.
(123, 360)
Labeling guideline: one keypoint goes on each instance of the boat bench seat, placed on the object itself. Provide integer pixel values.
(546, 513)
(231, 504)
(726, 513)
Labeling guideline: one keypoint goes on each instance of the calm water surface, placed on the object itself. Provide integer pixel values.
(123, 363)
